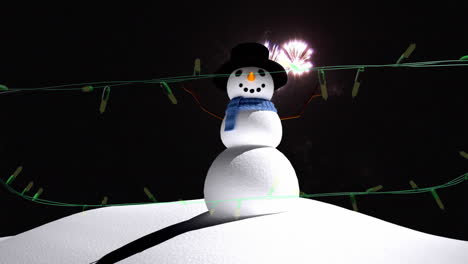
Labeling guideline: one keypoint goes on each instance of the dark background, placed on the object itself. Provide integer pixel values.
(405, 124)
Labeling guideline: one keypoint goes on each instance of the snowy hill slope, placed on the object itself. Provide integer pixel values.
(313, 231)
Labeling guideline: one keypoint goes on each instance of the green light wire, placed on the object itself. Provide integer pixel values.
(453, 182)
(177, 79)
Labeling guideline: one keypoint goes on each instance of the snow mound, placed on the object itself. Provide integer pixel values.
(312, 232)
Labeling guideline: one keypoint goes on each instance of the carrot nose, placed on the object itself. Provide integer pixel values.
(251, 76)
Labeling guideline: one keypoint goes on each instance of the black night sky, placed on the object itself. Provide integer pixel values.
(405, 124)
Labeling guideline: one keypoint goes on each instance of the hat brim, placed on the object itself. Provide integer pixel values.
(278, 73)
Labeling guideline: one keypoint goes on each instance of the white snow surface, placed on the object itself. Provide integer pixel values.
(311, 232)
(3, 238)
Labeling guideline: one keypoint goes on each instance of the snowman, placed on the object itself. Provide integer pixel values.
(247, 178)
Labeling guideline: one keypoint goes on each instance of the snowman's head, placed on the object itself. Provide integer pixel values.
(250, 82)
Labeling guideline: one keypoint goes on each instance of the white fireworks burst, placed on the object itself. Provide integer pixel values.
(294, 56)
(274, 51)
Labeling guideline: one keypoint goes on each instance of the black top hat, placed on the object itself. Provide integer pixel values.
(251, 54)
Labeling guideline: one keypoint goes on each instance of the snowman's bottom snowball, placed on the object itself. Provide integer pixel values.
(246, 181)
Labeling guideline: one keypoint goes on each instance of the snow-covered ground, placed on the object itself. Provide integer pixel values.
(3, 238)
(312, 232)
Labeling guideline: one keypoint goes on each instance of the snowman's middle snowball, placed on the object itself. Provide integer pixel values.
(253, 128)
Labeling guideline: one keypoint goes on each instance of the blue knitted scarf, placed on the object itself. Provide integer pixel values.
(240, 103)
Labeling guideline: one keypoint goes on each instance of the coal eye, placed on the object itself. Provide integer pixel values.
(238, 73)
(261, 72)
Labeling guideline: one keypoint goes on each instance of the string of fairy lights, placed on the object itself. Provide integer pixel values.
(164, 84)
(371, 191)
(90, 86)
